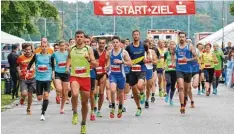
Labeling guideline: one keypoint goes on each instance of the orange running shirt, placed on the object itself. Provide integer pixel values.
(49, 50)
(22, 62)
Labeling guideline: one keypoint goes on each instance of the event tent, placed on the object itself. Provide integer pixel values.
(10, 39)
(217, 36)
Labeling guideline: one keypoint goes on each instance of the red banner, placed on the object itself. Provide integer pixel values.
(144, 8)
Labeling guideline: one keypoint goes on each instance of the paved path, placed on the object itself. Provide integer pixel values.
(212, 115)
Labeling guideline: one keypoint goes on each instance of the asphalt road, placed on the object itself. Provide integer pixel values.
(211, 115)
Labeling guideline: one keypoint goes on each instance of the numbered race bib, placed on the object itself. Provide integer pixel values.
(181, 61)
(100, 70)
(207, 65)
(42, 68)
(80, 70)
(171, 66)
(115, 68)
(136, 68)
(62, 64)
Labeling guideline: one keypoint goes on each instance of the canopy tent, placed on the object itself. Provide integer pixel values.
(10, 39)
(217, 36)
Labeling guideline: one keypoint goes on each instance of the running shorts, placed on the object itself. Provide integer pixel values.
(64, 77)
(42, 86)
(186, 76)
(84, 83)
(28, 85)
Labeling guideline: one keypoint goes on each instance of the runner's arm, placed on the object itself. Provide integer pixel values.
(52, 63)
(192, 49)
(127, 61)
(31, 62)
(68, 61)
(17, 66)
(155, 59)
(91, 57)
(107, 59)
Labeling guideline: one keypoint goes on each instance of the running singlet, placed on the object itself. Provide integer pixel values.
(208, 60)
(149, 65)
(102, 63)
(160, 59)
(182, 65)
(22, 62)
(219, 54)
(80, 66)
(117, 69)
(61, 61)
(169, 65)
(137, 54)
(43, 67)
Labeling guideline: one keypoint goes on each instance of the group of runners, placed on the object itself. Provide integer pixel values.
(86, 68)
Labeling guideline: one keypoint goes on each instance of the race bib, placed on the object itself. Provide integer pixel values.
(80, 70)
(100, 70)
(115, 68)
(207, 65)
(171, 66)
(42, 68)
(181, 61)
(136, 68)
(62, 64)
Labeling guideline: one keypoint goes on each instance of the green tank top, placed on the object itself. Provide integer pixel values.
(168, 61)
(80, 66)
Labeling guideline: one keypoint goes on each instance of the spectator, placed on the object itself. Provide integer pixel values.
(12, 57)
(230, 69)
(228, 49)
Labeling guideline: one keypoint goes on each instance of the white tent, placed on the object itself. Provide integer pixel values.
(10, 39)
(217, 36)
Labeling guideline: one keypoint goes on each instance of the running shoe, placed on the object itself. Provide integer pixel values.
(22, 101)
(166, 99)
(57, 99)
(138, 113)
(112, 113)
(75, 119)
(29, 111)
(198, 92)
(92, 116)
(203, 90)
(146, 104)
(142, 98)
(182, 110)
(152, 99)
(192, 104)
(99, 114)
(160, 94)
(171, 103)
(120, 111)
(83, 129)
(42, 117)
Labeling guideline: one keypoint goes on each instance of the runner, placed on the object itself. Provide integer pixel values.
(61, 77)
(109, 48)
(137, 53)
(208, 60)
(170, 72)
(118, 58)
(44, 73)
(218, 67)
(101, 72)
(27, 84)
(56, 47)
(184, 53)
(93, 78)
(160, 67)
(150, 60)
(80, 57)
(154, 79)
(39, 49)
(201, 73)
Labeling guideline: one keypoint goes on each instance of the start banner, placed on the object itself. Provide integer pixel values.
(144, 7)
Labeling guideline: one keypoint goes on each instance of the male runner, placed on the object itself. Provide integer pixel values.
(184, 53)
(118, 58)
(136, 52)
(80, 56)
(27, 84)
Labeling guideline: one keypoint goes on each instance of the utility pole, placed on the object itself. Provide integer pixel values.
(45, 26)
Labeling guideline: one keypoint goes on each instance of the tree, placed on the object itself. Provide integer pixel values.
(232, 8)
(17, 16)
